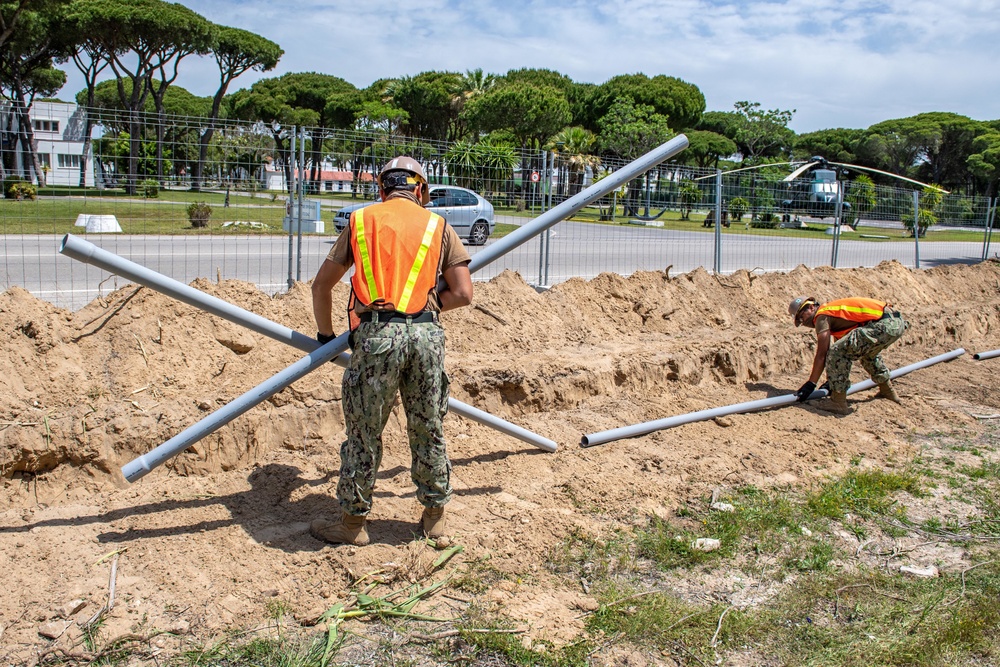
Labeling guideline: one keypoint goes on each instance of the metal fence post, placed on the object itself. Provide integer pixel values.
(291, 201)
(543, 186)
(717, 263)
(837, 213)
(991, 211)
(916, 228)
(298, 218)
(548, 232)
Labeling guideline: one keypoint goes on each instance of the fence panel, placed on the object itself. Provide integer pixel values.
(193, 198)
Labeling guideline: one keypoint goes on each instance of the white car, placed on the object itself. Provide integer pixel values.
(470, 215)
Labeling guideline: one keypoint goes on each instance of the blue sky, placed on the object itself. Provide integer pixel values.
(847, 63)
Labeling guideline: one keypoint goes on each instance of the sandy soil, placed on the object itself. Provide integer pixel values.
(214, 537)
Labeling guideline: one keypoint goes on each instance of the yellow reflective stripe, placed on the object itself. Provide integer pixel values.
(365, 259)
(850, 309)
(418, 263)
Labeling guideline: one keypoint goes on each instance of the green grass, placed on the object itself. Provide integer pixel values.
(57, 208)
(135, 216)
(788, 586)
(851, 620)
(867, 493)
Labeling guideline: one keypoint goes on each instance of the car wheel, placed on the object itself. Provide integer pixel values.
(480, 232)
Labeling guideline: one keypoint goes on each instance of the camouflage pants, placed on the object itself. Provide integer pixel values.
(863, 344)
(391, 357)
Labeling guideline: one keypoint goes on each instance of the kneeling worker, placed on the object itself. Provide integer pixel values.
(860, 329)
(399, 251)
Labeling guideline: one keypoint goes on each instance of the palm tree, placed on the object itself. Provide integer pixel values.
(475, 82)
(574, 145)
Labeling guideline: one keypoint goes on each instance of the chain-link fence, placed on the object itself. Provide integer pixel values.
(195, 198)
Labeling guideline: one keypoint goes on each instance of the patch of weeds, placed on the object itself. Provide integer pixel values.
(264, 652)
(857, 529)
(504, 646)
(576, 502)
(650, 619)
(479, 576)
(867, 493)
(583, 555)
(814, 557)
(985, 471)
(882, 619)
(92, 634)
(277, 609)
(932, 524)
(765, 519)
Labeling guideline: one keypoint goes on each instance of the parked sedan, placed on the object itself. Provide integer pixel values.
(470, 215)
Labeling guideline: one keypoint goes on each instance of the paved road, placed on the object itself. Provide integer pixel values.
(575, 250)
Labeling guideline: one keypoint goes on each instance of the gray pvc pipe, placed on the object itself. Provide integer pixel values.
(141, 466)
(778, 401)
(87, 252)
(979, 356)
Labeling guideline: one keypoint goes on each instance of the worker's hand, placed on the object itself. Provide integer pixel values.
(805, 391)
(324, 339)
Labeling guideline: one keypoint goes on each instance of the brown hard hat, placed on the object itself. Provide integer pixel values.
(407, 164)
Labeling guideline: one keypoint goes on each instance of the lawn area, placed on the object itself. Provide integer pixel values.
(56, 211)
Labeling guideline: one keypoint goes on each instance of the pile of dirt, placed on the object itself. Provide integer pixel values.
(213, 537)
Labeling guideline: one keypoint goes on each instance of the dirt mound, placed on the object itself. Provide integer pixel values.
(220, 530)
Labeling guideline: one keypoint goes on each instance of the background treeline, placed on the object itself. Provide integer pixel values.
(136, 49)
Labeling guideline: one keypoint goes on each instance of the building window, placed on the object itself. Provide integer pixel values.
(47, 125)
(66, 161)
(45, 159)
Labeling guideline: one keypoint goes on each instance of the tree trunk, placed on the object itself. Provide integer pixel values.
(28, 146)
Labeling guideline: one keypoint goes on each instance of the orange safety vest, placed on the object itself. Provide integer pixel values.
(396, 259)
(854, 309)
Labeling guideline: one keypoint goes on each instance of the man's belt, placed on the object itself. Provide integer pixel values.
(394, 316)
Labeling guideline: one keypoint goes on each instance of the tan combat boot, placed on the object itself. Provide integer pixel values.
(837, 403)
(885, 390)
(349, 530)
(433, 525)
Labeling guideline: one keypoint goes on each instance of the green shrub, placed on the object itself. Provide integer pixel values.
(20, 189)
(737, 207)
(16, 187)
(149, 188)
(198, 213)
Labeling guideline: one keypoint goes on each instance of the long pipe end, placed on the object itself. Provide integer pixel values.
(136, 469)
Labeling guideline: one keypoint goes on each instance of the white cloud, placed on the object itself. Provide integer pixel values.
(838, 64)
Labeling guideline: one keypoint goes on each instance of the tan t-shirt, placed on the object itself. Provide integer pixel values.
(453, 253)
(834, 324)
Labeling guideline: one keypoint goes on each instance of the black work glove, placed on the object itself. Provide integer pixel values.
(324, 339)
(825, 386)
(805, 391)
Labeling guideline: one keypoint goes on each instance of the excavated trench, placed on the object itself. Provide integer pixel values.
(93, 389)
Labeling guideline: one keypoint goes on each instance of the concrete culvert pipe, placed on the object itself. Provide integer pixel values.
(778, 401)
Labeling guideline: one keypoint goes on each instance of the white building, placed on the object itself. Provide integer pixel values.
(328, 180)
(58, 132)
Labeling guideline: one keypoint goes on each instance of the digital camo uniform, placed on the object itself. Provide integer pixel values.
(864, 344)
(383, 354)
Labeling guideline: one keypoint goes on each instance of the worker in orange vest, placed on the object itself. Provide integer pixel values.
(848, 330)
(400, 251)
